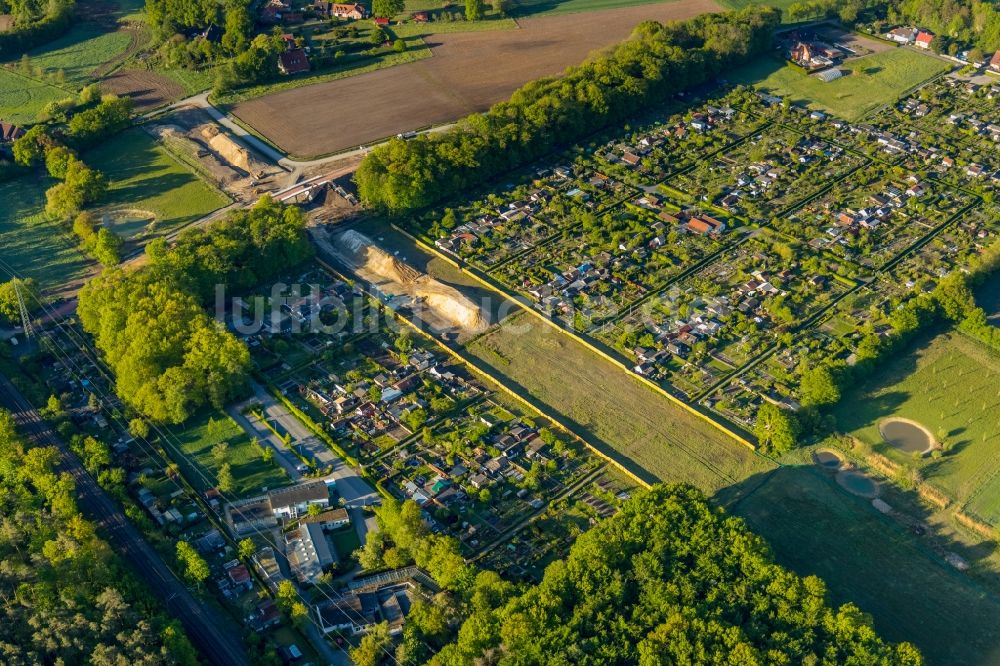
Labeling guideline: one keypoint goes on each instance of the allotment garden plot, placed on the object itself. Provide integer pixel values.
(950, 128)
(645, 156)
(490, 231)
(875, 214)
(767, 173)
(606, 263)
(485, 468)
(716, 320)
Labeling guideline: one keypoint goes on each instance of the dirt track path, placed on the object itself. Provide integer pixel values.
(468, 73)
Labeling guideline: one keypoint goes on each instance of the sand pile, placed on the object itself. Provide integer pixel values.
(231, 151)
(380, 266)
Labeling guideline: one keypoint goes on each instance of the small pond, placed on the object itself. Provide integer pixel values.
(858, 483)
(906, 436)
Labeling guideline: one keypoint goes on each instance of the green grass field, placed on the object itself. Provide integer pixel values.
(437, 27)
(145, 177)
(30, 243)
(251, 475)
(22, 98)
(873, 81)
(553, 7)
(78, 53)
(345, 542)
(628, 419)
(816, 528)
(951, 385)
(740, 4)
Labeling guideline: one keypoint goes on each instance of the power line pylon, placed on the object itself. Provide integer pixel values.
(25, 319)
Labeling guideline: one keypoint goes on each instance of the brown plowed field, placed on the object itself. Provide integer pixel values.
(468, 73)
(148, 90)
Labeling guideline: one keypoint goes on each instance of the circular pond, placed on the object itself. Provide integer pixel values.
(827, 459)
(905, 435)
(858, 483)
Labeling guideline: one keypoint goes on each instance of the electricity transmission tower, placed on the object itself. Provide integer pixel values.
(25, 319)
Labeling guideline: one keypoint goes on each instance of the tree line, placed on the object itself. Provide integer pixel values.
(659, 61)
(169, 356)
(669, 579)
(67, 598)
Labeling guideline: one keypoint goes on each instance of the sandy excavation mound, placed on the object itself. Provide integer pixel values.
(380, 266)
(223, 173)
(232, 152)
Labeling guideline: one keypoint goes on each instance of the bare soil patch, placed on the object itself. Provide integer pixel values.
(148, 90)
(468, 73)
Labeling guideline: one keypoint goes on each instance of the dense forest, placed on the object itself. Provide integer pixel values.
(68, 599)
(168, 355)
(669, 580)
(657, 62)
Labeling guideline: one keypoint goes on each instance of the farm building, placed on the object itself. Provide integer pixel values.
(829, 75)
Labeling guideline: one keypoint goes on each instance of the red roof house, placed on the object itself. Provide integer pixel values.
(995, 62)
(294, 61)
(924, 39)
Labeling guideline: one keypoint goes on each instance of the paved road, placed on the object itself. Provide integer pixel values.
(218, 641)
(355, 491)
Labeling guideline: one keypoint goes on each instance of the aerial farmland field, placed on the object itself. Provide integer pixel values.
(21, 98)
(462, 77)
(80, 52)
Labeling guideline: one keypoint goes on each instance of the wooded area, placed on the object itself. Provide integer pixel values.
(168, 355)
(669, 579)
(68, 599)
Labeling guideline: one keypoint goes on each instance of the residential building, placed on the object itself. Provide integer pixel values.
(902, 35)
(293, 501)
(330, 519)
(293, 61)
